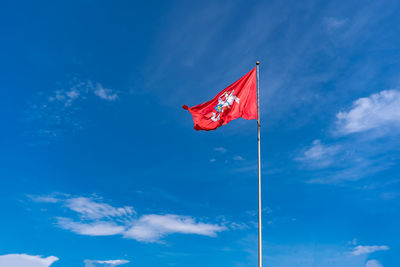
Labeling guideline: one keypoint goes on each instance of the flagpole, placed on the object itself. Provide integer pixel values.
(259, 168)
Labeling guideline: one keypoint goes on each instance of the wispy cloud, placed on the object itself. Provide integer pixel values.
(220, 149)
(340, 162)
(354, 170)
(44, 199)
(111, 263)
(359, 250)
(53, 115)
(104, 93)
(333, 23)
(65, 97)
(356, 148)
(301, 255)
(153, 227)
(238, 158)
(380, 112)
(373, 263)
(24, 260)
(96, 218)
(88, 208)
(319, 155)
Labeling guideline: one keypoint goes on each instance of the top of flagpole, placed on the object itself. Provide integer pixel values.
(258, 62)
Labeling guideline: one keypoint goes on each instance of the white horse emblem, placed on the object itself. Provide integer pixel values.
(225, 101)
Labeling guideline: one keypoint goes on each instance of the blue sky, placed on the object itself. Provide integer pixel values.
(100, 166)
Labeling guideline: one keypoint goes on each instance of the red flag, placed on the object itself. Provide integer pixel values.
(237, 100)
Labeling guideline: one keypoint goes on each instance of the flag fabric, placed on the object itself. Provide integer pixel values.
(237, 100)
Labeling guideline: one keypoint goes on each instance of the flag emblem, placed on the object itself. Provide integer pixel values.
(224, 102)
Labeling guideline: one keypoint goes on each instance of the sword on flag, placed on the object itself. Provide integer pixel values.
(239, 100)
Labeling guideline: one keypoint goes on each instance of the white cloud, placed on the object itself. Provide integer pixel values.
(319, 155)
(101, 219)
(151, 228)
(111, 263)
(104, 93)
(213, 160)
(373, 263)
(55, 113)
(24, 260)
(73, 94)
(96, 228)
(220, 149)
(65, 97)
(377, 112)
(239, 158)
(45, 199)
(359, 250)
(90, 209)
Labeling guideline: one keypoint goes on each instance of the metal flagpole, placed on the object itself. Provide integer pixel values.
(259, 168)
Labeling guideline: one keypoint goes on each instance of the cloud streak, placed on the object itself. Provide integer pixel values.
(111, 263)
(90, 209)
(359, 250)
(24, 260)
(151, 228)
(96, 218)
(96, 228)
(238, 158)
